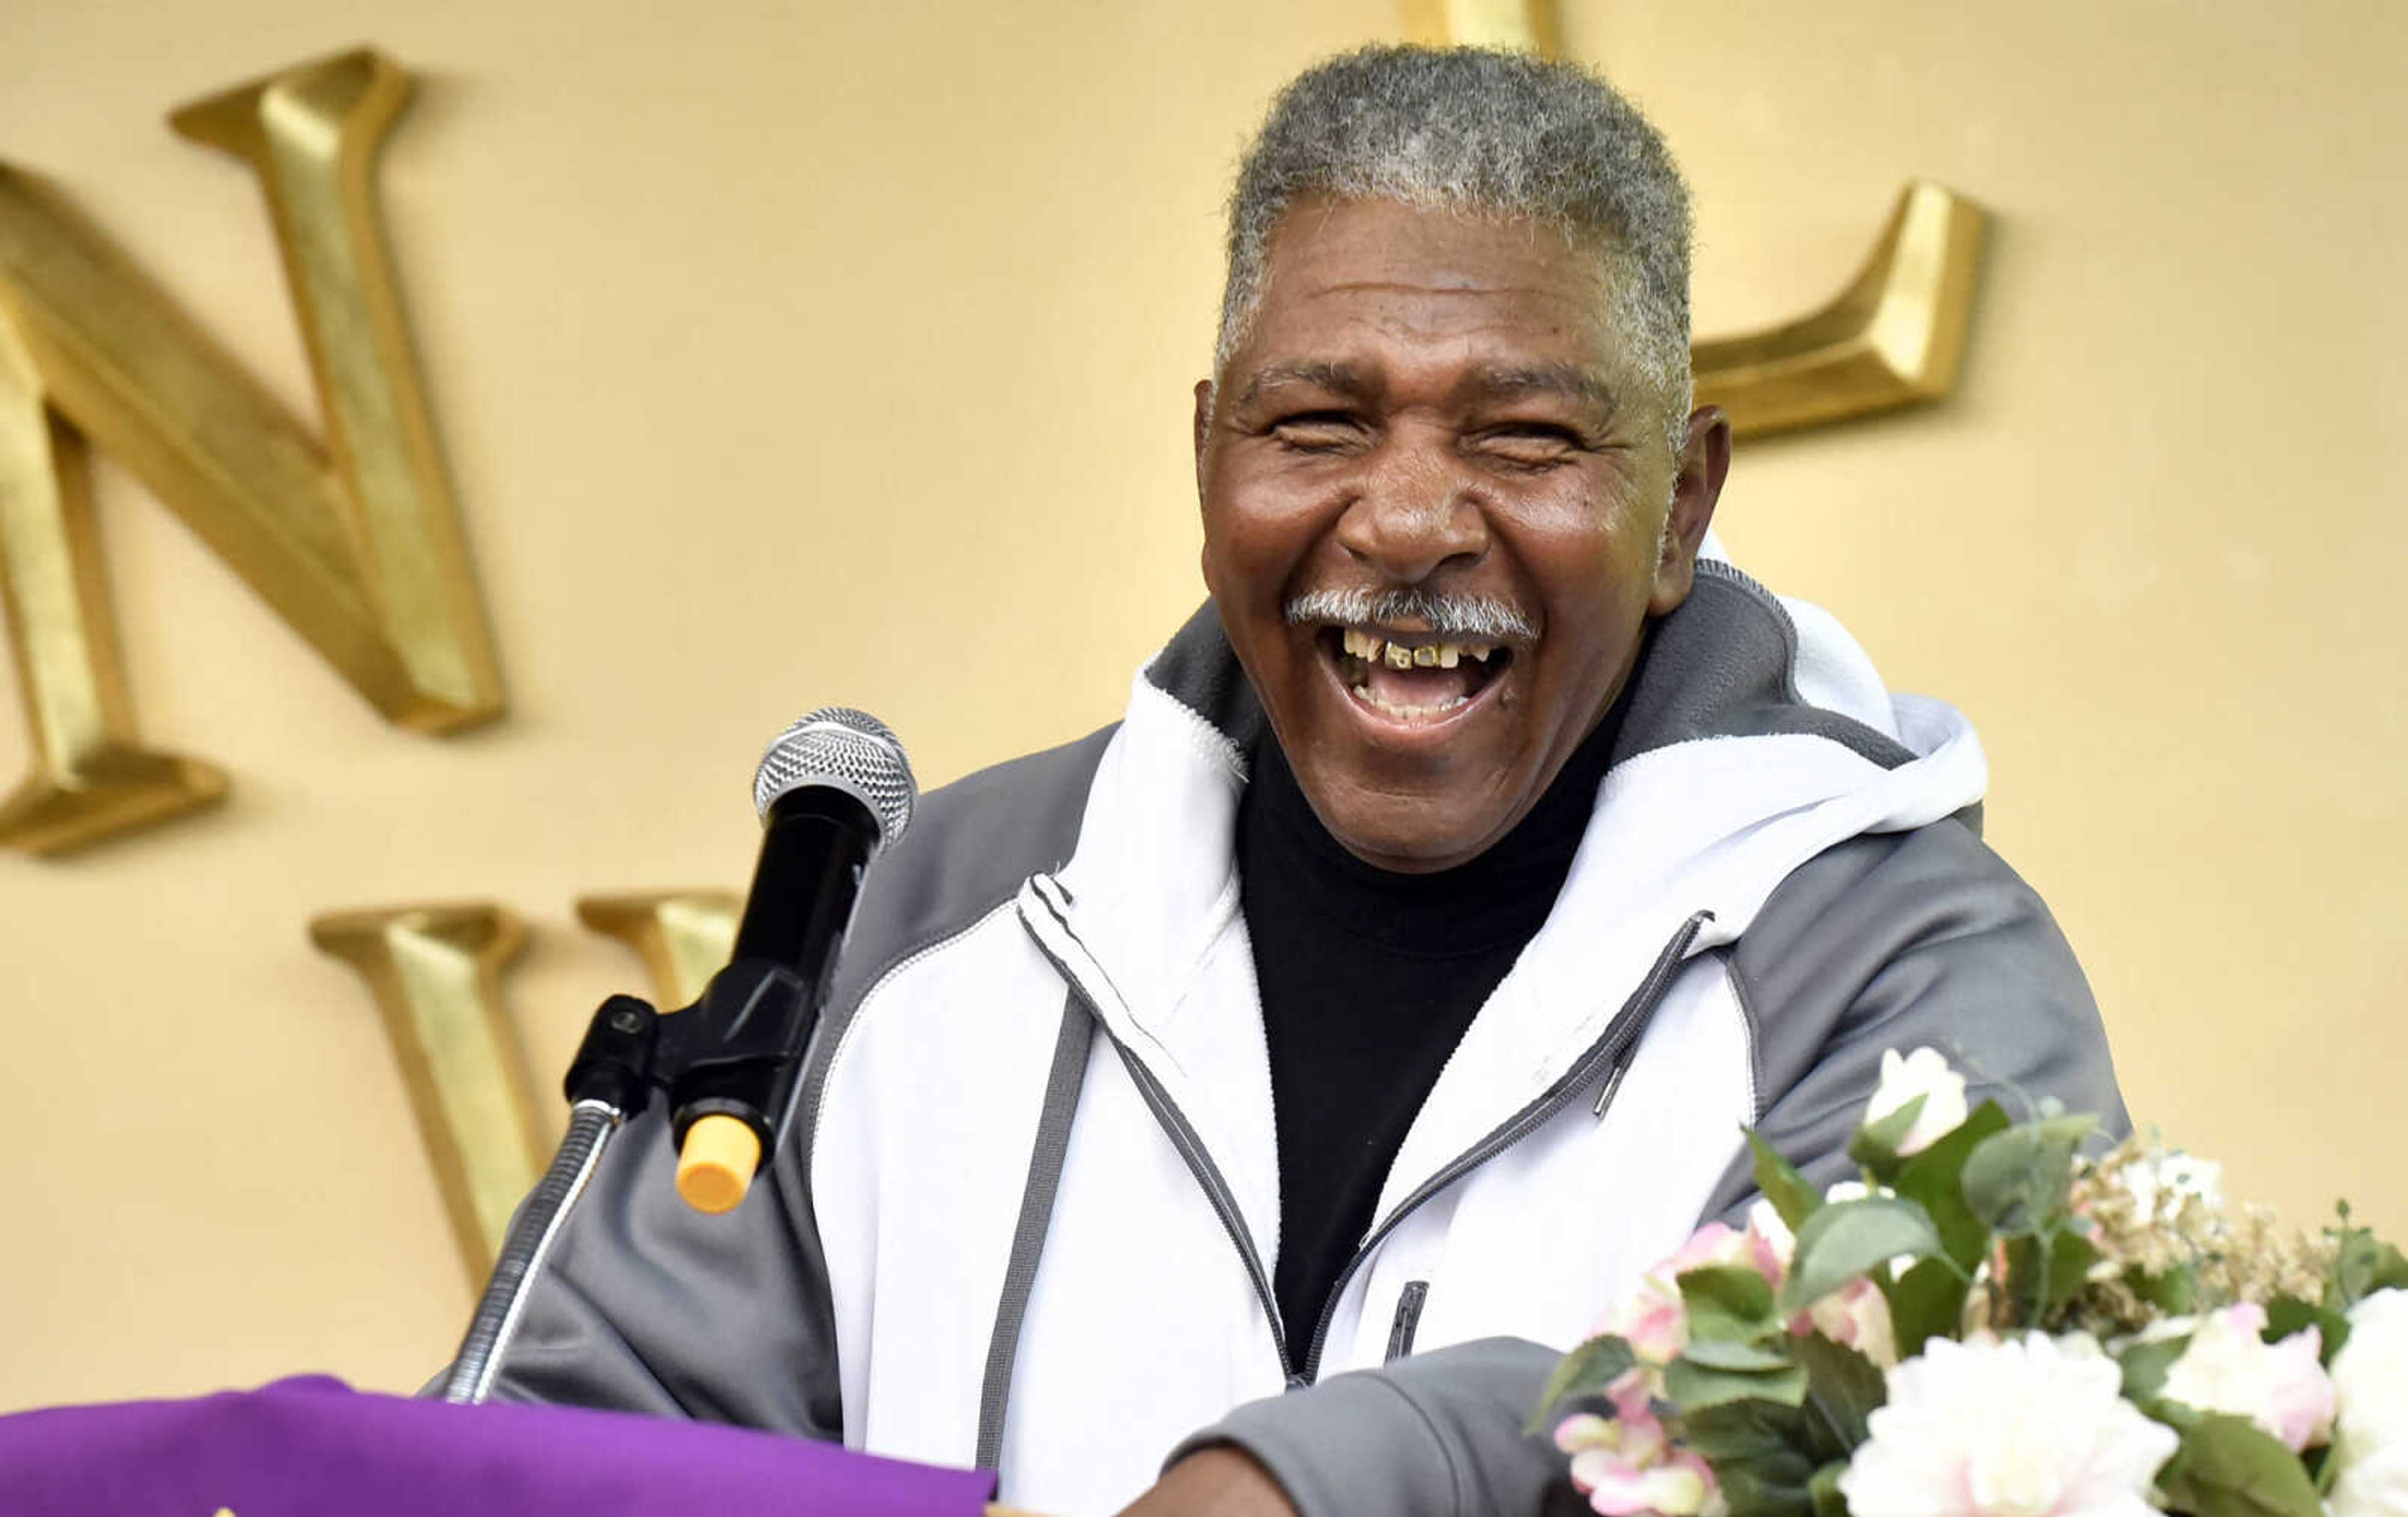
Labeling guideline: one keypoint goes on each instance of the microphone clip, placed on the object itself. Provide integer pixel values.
(732, 1054)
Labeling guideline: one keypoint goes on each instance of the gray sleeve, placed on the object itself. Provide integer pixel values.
(1904, 941)
(1437, 1434)
(648, 1305)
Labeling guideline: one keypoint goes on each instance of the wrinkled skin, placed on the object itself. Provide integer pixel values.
(1431, 399)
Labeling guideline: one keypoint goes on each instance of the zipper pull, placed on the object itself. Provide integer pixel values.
(1612, 1083)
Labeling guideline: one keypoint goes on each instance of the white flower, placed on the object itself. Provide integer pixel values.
(2281, 1388)
(1925, 1073)
(2159, 1182)
(2370, 1373)
(2027, 1428)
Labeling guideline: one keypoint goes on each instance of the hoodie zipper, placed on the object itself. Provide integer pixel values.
(1618, 1040)
(1183, 1136)
(1620, 1037)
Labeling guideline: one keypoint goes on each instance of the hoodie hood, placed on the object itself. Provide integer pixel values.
(1758, 735)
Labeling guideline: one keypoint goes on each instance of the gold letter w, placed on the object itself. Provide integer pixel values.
(355, 543)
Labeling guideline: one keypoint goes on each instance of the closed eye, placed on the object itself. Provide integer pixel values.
(1533, 445)
(1319, 432)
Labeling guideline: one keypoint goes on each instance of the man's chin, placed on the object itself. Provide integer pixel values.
(1403, 834)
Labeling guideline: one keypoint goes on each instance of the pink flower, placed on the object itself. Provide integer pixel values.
(2281, 1388)
(1628, 1465)
(1858, 1315)
(1855, 1314)
(1652, 1317)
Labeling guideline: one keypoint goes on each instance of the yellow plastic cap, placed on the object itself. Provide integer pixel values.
(715, 1166)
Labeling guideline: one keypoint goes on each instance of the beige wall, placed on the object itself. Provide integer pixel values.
(795, 353)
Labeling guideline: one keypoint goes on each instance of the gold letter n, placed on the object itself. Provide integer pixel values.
(355, 543)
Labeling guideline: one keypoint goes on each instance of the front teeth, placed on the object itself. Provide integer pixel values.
(1372, 649)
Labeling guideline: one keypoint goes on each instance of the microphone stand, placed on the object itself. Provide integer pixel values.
(610, 1080)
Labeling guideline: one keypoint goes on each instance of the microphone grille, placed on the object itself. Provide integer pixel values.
(849, 751)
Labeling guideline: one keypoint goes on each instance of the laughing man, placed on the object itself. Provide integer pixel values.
(1273, 1084)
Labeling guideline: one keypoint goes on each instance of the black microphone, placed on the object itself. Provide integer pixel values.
(832, 790)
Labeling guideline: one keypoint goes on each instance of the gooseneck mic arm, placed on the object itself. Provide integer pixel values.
(834, 788)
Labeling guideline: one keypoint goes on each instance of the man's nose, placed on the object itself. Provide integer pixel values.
(1417, 506)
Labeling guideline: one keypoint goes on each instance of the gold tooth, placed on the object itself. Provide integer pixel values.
(1426, 657)
(1399, 658)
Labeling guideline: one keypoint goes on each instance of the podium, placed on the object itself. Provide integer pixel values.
(313, 1447)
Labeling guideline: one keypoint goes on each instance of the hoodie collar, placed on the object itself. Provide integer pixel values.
(1757, 737)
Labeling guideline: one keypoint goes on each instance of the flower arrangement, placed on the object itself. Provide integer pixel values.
(1991, 1324)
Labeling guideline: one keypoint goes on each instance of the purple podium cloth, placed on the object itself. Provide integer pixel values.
(312, 1447)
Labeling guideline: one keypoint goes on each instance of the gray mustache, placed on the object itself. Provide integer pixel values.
(1448, 616)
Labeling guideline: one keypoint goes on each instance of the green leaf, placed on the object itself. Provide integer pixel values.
(2172, 1292)
(1759, 1432)
(1729, 1353)
(1843, 1388)
(1933, 1179)
(2226, 1467)
(2017, 1181)
(1792, 1199)
(2363, 1265)
(1847, 1239)
(1824, 1489)
(2037, 1292)
(2145, 1365)
(1752, 1491)
(2288, 1314)
(1875, 1144)
(1926, 1302)
(1729, 1302)
(1694, 1387)
(2070, 1258)
(1587, 1370)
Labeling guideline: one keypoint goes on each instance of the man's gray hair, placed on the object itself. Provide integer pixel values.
(1496, 134)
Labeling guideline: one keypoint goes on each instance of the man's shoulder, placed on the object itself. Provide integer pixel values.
(1883, 892)
(969, 846)
(1913, 938)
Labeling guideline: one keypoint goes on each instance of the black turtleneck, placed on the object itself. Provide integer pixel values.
(1369, 979)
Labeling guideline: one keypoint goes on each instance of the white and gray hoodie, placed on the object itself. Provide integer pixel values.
(1028, 1212)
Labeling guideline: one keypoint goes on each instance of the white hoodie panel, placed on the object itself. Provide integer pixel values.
(1539, 1239)
(924, 1080)
(1139, 1273)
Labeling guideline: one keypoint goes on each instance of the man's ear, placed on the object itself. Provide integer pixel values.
(1203, 429)
(1704, 462)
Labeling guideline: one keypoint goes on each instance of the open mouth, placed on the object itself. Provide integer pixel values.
(1413, 677)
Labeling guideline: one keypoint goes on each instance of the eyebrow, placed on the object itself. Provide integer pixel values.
(1543, 379)
(1322, 374)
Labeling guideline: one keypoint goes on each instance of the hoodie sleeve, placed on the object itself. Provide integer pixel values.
(647, 1305)
(1437, 1434)
(1903, 941)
